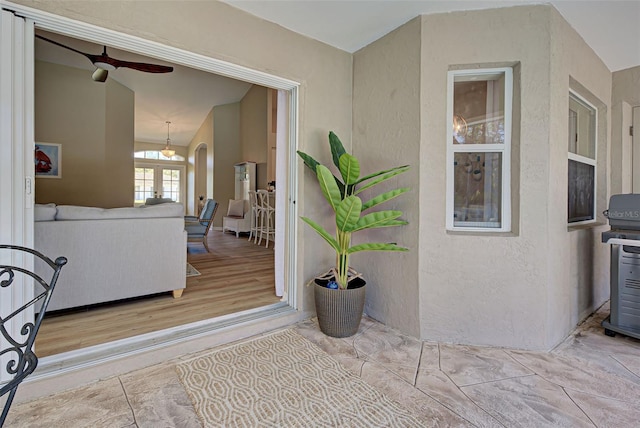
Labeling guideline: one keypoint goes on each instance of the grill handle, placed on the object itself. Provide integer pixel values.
(606, 213)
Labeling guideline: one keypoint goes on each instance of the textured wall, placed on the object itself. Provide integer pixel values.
(386, 133)
(486, 288)
(527, 288)
(578, 262)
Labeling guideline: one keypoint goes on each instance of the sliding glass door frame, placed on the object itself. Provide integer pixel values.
(285, 252)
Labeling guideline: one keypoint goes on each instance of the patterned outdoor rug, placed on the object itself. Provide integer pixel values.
(284, 380)
(191, 271)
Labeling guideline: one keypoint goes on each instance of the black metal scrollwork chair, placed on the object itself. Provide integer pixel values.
(16, 350)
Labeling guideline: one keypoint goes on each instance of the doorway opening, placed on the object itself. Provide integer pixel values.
(284, 256)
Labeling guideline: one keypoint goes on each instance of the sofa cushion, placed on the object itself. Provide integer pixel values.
(236, 208)
(44, 212)
(72, 212)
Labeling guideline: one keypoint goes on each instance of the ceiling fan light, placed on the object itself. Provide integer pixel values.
(100, 75)
(104, 65)
(168, 151)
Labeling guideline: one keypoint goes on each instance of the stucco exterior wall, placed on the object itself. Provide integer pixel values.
(386, 133)
(220, 31)
(578, 262)
(487, 289)
(527, 288)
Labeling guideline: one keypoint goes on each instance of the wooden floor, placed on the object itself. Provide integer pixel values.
(236, 275)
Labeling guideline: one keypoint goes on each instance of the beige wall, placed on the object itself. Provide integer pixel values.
(253, 131)
(227, 152)
(204, 136)
(386, 133)
(527, 288)
(94, 124)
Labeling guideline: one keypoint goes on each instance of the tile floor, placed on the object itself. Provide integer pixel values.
(589, 380)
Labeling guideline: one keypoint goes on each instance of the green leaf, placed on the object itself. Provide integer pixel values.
(403, 168)
(337, 149)
(383, 198)
(308, 160)
(348, 213)
(376, 246)
(382, 176)
(329, 187)
(320, 230)
(377, 219)
(349, 168)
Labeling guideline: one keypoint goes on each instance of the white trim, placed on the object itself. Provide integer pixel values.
(587, 160)
(504, 149)
(72, 28)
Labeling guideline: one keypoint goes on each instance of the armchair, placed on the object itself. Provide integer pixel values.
(198, 227)
(238, 218)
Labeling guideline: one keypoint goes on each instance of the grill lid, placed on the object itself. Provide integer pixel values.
(624, 211)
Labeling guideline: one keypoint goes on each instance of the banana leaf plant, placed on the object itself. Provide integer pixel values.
(342, 194)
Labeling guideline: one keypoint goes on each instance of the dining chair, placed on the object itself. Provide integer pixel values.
(198, 227)
(255, 218)
(266, 203)
(18, 328)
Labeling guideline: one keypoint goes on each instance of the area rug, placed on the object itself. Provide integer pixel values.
(191, 271)
(284, 380)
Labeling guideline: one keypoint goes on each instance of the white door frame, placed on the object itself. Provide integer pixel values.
(23, 224)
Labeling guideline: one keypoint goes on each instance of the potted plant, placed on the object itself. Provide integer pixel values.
(339, 293)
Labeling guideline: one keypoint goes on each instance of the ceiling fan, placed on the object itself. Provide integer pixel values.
(104, 63)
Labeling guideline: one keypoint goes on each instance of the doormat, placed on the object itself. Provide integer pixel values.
(284, 380)
(191, 271)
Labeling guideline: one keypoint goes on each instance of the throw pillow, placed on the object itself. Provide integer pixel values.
(236, 208)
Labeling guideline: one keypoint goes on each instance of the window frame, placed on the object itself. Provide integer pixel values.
(504, 149)
(158, 167)
(584, 159)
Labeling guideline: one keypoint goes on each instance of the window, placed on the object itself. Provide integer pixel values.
(158, 181)
(479, 149)
(155, 155)
(582, 160)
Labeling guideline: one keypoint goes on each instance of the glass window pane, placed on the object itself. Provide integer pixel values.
(478, 109)
(171, 184)
(581, 185)
(477, 189)
(143, 184)
(582, 128)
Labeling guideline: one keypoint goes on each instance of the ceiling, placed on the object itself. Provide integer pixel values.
(610, 27)
(185, 96)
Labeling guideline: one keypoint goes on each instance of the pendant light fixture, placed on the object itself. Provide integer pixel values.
(168, 151)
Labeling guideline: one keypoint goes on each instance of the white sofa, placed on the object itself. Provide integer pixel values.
(113, 254)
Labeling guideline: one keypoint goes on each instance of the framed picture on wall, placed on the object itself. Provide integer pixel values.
(48, 160)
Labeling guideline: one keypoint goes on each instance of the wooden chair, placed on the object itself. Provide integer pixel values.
(19, 359)
(267, 216)
(198, 227)
(255, 218)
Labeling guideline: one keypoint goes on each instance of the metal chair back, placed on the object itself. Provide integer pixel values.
(16, 341)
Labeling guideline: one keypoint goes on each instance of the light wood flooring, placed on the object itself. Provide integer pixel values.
(236, 275)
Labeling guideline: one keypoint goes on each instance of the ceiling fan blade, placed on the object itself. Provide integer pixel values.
(143, 66)
(105, 61)
(89, 56)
